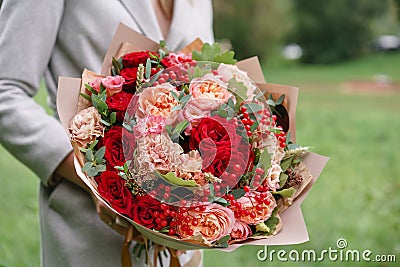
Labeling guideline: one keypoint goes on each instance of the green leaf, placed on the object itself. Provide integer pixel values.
(117, 66)
(239, 90)
(171, 177)
(213, 53)
(185, 99)
(174, 95)
(100, 153)
(93, 144)
(113, 117)
(100, 168)
(87, 166)
(272, 221)
(223, 241)
(271, 103)
(282, 179)
(92, 172)
(85, 96)
(163, 44)
(238, 193)
(197, 73)
(90, 89)
(226, 57)
(102, 91)
(181, 127)
(155, 77)
(221, 201)
(288, 192)
(89, 155)
(223, 113)
(285, 164)
(265, 160)
(106, 123)
(148, 68)
(280, 100)
(99, 104)
(253, 107)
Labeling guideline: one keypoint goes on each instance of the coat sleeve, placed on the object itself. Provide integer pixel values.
(28, 32)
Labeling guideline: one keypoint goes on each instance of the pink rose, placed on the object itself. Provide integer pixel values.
(113, 84)
(85, 126)
(240, 231)
(256, 207)
(212, 222)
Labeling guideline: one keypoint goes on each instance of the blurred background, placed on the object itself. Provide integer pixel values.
(344, 55)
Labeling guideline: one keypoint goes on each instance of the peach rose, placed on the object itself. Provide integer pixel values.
(156, 101)
(212, 223)
(208, 92)
(85, 126)
(258, 207)
(240, 231)
(232, 71)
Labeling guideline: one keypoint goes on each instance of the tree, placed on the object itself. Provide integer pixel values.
(254, 27)
(334, 30)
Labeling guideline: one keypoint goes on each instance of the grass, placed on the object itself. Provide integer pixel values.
(356, 196)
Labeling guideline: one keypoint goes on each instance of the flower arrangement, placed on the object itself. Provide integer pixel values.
(188, 148)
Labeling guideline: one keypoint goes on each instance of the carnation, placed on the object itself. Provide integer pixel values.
(158, 152)
(85, 127)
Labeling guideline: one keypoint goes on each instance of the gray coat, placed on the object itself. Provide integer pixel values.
(52, 38)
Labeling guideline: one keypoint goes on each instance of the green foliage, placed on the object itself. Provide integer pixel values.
(95, 162)
(213, 53)
(334, 30)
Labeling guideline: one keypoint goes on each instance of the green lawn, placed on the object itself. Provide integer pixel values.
(355, 198)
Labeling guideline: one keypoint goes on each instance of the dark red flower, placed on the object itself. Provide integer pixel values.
(132, 60)
(149, 212)
(112, 188)
(119, 144)
(119, 103)
(214, 132)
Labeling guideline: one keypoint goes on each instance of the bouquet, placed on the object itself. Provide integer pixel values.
(187, 147)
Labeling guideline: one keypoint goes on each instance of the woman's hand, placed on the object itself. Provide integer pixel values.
(116, 222)
(66, 170)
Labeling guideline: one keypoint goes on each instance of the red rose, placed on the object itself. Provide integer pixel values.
(129, 75)
(112, 188)
(133, 59)
(214, 132)
(222, 161)
(119, 103)
(146, 211)
(119, 145)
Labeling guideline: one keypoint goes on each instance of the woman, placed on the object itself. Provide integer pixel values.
(52, 38)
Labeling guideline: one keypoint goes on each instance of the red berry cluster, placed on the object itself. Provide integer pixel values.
(165, 216)
(258, 202)
(185, 220)
(246, 120)
(161, 192)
